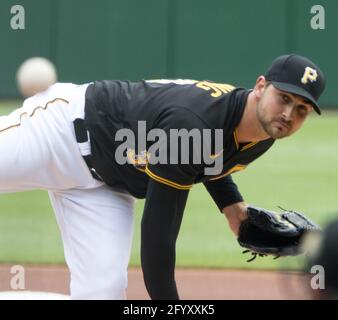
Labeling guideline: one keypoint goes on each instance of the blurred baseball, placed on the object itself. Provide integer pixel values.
(35, 75)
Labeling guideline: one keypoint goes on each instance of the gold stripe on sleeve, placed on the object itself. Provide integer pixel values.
(238, 167)
(167, 182)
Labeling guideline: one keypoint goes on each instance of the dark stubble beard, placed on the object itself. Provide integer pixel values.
(271, 131)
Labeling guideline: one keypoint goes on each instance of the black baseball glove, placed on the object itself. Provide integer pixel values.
(267, 232)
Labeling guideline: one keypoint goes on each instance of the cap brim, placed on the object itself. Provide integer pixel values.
(298, 91)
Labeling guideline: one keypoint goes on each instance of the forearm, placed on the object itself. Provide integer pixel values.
(235, 213)
(224, 192)
(158, 265)
(160, 226)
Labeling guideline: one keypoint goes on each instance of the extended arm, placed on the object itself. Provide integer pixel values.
(161, 222)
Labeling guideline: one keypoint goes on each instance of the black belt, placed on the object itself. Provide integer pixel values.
(81, 135)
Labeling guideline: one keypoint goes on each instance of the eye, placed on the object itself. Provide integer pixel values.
(285, 99)
(302, 110)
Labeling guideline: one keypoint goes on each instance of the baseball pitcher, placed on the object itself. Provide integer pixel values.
(96, 147)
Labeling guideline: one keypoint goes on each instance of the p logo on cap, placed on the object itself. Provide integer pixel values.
(309, 74)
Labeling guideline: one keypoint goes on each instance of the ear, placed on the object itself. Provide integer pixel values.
(259, 87)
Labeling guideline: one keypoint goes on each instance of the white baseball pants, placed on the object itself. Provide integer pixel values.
(38, 150)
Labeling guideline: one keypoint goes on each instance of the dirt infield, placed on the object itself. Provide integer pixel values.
(194, 284)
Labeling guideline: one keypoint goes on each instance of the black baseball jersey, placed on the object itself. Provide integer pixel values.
(166, 104)
(115, 105)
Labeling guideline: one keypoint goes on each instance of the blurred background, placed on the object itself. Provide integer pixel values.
(225, 41)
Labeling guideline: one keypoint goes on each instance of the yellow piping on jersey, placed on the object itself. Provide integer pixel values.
(238, 167)
(247, 146)
(167, 182)
(32, 113)
(235, 138)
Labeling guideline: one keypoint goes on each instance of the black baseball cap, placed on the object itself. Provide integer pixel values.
(297, 75)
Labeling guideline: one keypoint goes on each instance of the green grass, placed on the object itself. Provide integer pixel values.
(28, 230)
(6, 106)
(298, 173)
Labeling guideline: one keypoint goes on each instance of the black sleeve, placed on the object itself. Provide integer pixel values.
(224, 192)
(161, 222)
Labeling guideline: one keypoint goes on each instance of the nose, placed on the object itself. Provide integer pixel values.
(287, 112)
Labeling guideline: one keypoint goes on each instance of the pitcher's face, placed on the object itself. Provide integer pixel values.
(281, 113)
